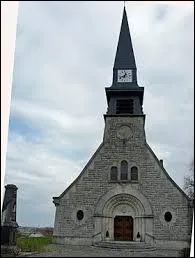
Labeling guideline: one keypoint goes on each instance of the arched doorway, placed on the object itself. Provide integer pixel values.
(123, 201)
(123, 228)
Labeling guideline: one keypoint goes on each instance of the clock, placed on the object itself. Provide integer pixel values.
(125, 75)
(124, 132)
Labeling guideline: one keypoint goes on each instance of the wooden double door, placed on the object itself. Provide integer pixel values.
(123, 228)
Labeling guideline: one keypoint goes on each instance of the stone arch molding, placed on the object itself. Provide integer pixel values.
(123, 203)
(126, 196)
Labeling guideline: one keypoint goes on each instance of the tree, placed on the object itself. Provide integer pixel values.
(189, 182)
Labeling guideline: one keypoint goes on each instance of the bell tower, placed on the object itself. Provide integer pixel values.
(124, 97)
(120, 193)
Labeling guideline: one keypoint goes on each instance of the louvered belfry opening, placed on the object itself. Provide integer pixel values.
(124, 106)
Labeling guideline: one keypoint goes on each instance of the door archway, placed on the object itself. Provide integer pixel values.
(122, 201)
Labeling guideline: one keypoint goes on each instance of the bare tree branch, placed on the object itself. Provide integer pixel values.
(189, 182)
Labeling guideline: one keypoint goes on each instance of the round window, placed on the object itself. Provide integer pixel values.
(168, 216)
(80, 215)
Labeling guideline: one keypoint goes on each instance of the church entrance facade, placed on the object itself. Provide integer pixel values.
(123, 228)
(121, 214)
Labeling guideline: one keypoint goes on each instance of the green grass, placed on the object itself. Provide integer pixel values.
(33, 244)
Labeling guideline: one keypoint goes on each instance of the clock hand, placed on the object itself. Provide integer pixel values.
(122, 76)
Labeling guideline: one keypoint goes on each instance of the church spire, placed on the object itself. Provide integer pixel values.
(124, 64)
(124, 56)
(124, 96)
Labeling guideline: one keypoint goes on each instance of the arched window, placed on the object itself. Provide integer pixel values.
(134, 173)
(113, 173)
(124, 170)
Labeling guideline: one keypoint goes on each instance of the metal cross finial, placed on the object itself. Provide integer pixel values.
(124, 3)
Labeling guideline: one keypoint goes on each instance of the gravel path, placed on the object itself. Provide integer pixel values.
(91, 251)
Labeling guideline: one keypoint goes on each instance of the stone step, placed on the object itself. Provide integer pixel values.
(133, 246)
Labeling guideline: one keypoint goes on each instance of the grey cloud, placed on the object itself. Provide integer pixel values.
(63, 60)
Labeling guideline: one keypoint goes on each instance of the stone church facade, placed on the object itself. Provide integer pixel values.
(124, 193)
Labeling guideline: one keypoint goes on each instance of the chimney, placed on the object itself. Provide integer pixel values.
(161, 162)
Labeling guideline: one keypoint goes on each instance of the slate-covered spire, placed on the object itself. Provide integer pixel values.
(124, 55)
(124, 96)
(124, 59)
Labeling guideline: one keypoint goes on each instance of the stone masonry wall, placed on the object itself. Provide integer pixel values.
(93, 183)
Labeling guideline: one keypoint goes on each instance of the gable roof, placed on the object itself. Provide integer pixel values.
(168, 176)
(55, 199)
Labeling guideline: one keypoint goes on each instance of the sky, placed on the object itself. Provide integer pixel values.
(64, 58)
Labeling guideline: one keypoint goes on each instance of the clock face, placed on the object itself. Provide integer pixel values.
(125, 75)
(124, 132)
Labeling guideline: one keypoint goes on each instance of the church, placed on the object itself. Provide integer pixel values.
(124, 195)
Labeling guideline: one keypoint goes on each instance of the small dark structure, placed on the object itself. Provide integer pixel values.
(8, 220)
